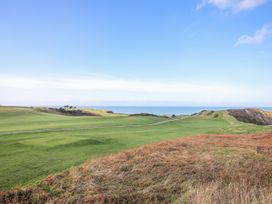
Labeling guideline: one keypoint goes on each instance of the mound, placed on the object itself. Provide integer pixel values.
(202, 169)
(74, 111)
(251, 115)
(148, 115)
(211, 114)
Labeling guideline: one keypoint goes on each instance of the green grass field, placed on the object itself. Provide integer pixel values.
(34, 144)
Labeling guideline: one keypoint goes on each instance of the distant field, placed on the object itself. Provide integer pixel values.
(34, 144)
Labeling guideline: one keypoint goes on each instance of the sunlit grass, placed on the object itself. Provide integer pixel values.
(34, 144)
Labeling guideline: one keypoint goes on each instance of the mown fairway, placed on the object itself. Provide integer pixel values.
(34, 144)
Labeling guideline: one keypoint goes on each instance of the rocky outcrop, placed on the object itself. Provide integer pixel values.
(252, 115)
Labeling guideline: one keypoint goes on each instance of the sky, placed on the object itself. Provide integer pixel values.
(136, 52)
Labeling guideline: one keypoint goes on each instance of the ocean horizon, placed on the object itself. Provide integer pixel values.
(166, 110)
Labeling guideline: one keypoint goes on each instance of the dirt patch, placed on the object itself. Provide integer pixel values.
(201, 169)
(251, 115)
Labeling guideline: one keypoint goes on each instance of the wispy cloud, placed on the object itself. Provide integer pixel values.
(18, 90)
(234, 5)
(259, 36)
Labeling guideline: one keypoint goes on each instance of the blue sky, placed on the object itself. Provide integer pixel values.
(136, 52)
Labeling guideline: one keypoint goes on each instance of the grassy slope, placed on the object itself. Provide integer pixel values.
(203, 169)
(97, 112)
(34, 144)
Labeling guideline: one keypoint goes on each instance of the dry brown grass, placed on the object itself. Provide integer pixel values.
(203, 169)
(269, 114)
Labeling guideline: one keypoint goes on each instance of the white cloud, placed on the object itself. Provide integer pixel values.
(221, 4)
(248, 4)
(234, 5)
(17, 90)
(259, 36)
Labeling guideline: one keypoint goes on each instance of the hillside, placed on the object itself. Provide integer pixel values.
(252, 115)
(74, 111)
(65, 110)
(34, 143)
(247, 115)
(202, 169)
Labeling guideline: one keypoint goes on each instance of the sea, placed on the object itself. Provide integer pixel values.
(165, 110)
